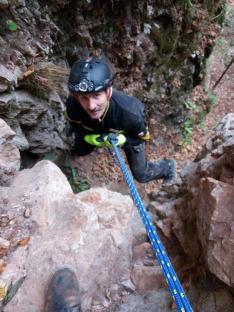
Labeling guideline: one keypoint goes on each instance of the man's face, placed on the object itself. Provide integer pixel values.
(94, 104)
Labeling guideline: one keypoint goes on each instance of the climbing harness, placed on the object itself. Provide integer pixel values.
(173, 282)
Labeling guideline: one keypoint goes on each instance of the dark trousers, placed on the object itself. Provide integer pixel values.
(142, 170)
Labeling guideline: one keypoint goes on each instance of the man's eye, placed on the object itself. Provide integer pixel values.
(84, 98)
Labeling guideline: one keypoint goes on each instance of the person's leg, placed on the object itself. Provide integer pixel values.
(63, 292)
(144, 171)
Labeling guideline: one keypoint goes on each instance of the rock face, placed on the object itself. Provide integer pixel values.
(9, 154)
(160, 58)
(203, 218)
(214, 202)
(215, 226)
(42, 121)
(97, 233)
(91, 232)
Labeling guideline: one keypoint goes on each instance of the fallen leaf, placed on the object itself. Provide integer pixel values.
(4, 243)
(3, 290)
(2, 265)
(24, 241)
(26, 74)
(3, 252)
(12, 290)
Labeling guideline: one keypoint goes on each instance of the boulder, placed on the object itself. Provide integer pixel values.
(90, 232)
(209, 202)
(202, 216)
(42, 122)
(9, 154)
(24, 106)
(8, 77)
(215, 227)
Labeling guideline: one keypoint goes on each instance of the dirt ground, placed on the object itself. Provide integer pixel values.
(99, 168)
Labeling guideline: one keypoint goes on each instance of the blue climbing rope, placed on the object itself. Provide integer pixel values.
(173, 282)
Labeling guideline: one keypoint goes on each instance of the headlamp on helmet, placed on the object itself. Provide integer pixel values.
(89, 76)
(83, 86)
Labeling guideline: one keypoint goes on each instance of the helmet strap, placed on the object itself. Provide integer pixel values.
(109, 93)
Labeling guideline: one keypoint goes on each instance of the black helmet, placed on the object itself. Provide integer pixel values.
(89, 76)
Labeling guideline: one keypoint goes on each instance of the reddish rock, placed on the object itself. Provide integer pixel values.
(215, 227)
(147, 277)
(90, 232)
(203, 218)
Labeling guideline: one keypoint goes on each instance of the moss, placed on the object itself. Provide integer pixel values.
(164, 33)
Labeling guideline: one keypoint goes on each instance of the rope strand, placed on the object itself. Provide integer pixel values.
(173, 282)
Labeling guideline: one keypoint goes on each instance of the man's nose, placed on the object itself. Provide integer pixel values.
(91, 104)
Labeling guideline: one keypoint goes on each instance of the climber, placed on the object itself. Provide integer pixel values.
(94, 109)
(62, 293)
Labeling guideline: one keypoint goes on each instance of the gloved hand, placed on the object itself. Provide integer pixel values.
(101, 140)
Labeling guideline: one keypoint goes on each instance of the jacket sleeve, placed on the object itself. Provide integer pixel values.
(72, 117)
(135, 124)
(70, 112)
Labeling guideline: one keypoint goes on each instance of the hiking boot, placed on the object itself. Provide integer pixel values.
(170, 173)
(163, 169)
(63, 292)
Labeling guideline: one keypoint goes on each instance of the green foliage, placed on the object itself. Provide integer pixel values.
(190, 105)
(212, 99)
(166, 38)
(77, 184)
(189, 4)
(187, 132)
(196, 114)
(11, 25)
(220, 42)
(11, 292)
(221, 13)
(200, 117)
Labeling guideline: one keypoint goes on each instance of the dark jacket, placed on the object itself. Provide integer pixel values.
(124, 113)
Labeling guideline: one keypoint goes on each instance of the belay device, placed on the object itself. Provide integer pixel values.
(173, 282)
